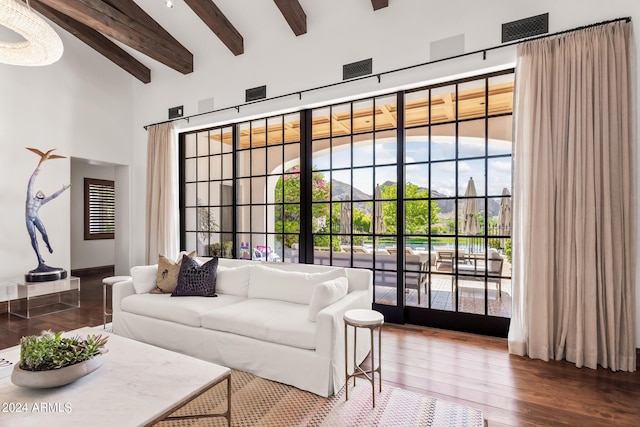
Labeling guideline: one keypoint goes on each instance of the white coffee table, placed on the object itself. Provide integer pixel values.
(139, 384)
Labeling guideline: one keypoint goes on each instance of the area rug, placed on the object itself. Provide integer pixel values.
(259, 402)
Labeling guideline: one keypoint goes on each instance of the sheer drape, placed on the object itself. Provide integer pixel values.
(162, 193)
(573, 198)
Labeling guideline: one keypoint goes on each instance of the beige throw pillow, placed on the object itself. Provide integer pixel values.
(168, 271)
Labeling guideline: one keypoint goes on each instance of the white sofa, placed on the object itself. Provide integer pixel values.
(262, 321)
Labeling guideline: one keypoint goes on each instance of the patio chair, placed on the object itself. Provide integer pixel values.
(444, 257)
(417, 266)
(471, 271)
(244, 251)
(447, 257)
(265, 253)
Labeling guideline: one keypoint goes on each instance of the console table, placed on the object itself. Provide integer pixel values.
(39, 298)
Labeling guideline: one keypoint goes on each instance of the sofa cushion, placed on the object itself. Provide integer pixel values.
(274, 321)
(233, 280)
(185, 310)
(144, 278)
(325, 294)
(195, 279)
(291, 286)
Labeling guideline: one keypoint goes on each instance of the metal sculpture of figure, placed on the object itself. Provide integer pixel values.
(33, 204)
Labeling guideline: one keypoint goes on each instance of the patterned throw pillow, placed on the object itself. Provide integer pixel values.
(196, 280)
(168, 271)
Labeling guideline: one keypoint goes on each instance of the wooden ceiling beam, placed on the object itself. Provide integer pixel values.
(132, 10)
(387, 114)
(293, 13)
(213, 17)
(449, 107)
(111, 22)
(97, 41)
(379, 4)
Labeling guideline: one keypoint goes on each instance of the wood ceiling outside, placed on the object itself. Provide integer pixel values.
(470, 104)
(97, 22)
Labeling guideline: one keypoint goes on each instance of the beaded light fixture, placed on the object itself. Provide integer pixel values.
(42, 45)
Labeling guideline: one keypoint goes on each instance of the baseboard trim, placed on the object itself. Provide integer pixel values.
(106, 270)
(637, 359)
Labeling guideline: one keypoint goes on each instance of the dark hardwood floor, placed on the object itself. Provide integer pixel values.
(472, 370)
(477, 371)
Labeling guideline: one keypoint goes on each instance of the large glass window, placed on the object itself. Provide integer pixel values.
(414, 185)
(207, 195)
(268, 188)
(354, 161)
(241, 191)
(458, 147)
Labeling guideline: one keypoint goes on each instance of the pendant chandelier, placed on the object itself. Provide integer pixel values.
(42, 45)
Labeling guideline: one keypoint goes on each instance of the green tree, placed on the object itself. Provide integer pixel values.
(416, 212)
(325, 240)
(287, 219)
(361, 221)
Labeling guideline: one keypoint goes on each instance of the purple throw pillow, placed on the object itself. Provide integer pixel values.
(196, 280)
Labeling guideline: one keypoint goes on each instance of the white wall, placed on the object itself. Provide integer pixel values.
(339, 32)
(88, 253)
(81, 106)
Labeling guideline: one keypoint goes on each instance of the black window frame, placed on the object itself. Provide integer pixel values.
(454, 318)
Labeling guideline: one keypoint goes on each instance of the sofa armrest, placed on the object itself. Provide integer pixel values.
(120, 291)
(330, 336)
(330, 325)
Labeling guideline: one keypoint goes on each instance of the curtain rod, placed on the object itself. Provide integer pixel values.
(379, 75)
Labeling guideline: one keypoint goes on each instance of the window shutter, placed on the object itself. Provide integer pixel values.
(99, 209)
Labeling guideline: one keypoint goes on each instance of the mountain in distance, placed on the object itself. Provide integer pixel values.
(342, 191)
(447, 204)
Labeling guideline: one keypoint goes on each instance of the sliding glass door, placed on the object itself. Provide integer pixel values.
(458, 167)
(354, 157)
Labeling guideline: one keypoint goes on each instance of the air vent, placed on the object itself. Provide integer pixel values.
(176, 112)
(357, 69)
(524, 28)
(255, 93)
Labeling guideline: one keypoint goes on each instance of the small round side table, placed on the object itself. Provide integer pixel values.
(372, 320)
(109, 282)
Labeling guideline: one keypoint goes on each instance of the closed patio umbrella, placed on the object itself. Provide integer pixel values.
(345, 222)
(470, 224)
(504, 216)
(377, 222)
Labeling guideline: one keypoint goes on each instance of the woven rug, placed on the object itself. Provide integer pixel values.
(259, 402)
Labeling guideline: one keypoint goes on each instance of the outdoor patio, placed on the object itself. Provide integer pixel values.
(471, 294)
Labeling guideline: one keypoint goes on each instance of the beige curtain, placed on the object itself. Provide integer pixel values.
(573, 200)
(162, 194)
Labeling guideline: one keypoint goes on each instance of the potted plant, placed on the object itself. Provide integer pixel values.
(51, 360)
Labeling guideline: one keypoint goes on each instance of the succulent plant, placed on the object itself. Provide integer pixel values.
(51, 351)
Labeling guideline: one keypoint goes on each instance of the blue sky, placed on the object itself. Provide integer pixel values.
(443, 174)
